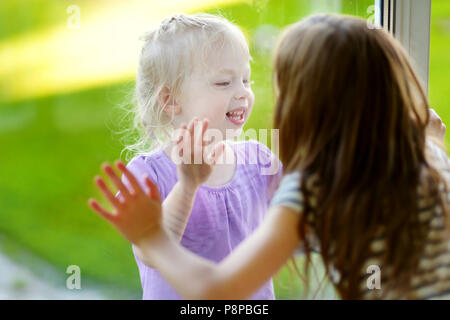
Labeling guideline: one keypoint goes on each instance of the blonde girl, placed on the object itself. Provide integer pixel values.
(192, 67)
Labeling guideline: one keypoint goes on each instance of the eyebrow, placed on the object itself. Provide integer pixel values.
(231, 71)
(228, 71)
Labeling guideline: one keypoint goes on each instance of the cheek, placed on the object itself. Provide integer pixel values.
(218, 105)
(251, 100)
(214, 109)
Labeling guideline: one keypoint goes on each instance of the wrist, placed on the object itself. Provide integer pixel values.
(188, 187)
(151, 240)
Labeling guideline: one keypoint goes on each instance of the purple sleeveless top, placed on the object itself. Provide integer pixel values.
(221, 216)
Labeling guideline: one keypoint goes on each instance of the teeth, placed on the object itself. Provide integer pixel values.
(236, 113)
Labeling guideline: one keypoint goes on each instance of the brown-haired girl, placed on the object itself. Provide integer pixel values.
(364, 184)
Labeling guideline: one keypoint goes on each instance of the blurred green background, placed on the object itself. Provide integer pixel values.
(66, 75)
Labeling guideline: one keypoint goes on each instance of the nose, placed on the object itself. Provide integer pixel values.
(242, 92)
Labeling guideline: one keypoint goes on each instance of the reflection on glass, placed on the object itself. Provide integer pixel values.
(59, 87)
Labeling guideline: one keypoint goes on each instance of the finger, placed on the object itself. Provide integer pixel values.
(116, 180)
(431, 110)
(434, 116)
(99, 209)
(205, 140)
(186, 148)
(210, 157)
(205, 128)
(191, 125)
(209, 136)
(197, 145)
(107, 193)
(178, 133)
(217, 152)
(205, 125)
(131, 178)
(176, 154)
(153, 191)
(192, 130)
(198, 138)
(179, 148)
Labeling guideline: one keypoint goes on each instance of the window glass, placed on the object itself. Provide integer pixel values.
(440, 60)
(65, 67)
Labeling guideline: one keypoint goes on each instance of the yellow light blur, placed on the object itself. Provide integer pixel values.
(103, 50)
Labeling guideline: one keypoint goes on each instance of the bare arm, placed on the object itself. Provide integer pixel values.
(178, 204)
(177, 208)
(243, 272)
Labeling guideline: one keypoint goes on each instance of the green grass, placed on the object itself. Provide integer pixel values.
(440, 60)
(19, 17)
(52, 147)
(48, 170)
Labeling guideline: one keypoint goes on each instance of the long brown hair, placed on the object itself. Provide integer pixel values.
(352, 112)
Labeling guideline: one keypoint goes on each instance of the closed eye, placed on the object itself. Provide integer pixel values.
(222, 83)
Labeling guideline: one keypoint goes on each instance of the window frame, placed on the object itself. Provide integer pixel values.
(409, 21)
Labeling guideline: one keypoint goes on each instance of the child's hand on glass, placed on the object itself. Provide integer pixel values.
(196, 162)
(137, 212)
(435, 126)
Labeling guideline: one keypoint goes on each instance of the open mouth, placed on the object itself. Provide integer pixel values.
(236, 117)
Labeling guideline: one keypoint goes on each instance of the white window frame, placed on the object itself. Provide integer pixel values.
(409, 21)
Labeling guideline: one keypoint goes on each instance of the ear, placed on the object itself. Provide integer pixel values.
(167, 101)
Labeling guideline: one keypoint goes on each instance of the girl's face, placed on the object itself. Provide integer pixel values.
(219, 91)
